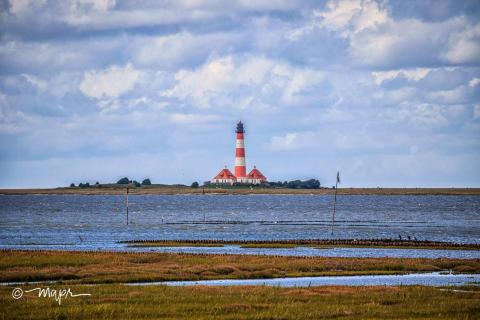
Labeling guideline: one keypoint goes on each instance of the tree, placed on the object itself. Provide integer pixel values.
(72, 185)
(123, 181)
(195, 185)
(136, 183)
(146, 182)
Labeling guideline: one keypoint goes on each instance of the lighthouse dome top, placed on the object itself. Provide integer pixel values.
(240, 127)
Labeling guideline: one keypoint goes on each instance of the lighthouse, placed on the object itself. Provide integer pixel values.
(225, 176)
(240, 165)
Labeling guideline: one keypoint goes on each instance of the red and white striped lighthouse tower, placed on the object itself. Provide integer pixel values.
(226, 177)
(240, 166)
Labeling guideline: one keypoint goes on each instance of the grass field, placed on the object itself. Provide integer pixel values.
(245, 190)
(111, 299)
(104, 267)
(159, 302)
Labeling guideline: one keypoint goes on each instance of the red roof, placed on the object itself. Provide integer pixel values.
(225, 174)
(256, 174)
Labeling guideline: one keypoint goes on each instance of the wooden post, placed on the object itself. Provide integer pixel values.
(335, 200)
(126, 203)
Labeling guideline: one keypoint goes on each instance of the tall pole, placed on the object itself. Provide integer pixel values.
(335, 200)
(126, 203)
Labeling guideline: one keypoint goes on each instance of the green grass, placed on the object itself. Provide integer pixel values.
(105, 267)
(160, 302)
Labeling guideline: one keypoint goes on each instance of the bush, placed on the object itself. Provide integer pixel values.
(72, 185)
(195, 185)
(146, 182)
(123, 181)
(296, 184)
(136, 183)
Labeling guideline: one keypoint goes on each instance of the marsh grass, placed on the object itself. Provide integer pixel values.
(314, 243)
(272, 245)
(107, 267)
(161, 302)
(171, 244)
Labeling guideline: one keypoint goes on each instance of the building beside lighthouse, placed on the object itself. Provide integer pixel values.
(240, 175)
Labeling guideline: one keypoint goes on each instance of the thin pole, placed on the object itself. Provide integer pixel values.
(334, 207)
(126, 203)
(335, 201)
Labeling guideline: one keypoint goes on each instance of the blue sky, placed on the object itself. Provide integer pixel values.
(387, 92)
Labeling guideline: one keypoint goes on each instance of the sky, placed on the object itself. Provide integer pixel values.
(386, 92)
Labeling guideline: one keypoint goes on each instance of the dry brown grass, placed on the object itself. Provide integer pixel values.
(105, 267)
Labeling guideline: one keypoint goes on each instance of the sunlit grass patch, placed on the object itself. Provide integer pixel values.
(159, 302)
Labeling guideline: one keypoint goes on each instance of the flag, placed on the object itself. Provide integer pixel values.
(338, 176)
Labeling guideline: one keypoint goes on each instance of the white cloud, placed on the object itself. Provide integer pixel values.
(187, 118)
(474, 82)
(19, 6)
(292, 141)
(425, 114)
(97, 5)
(346, 17)
(411, 74)
(377, 39)
(239, 83)
(464, 44)
(37, 82)
(352, 16)
(109, 83)
(287, 142)
(476, 111)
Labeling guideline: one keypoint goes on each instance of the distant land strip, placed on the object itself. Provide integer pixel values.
(176, 190)
(385, 243)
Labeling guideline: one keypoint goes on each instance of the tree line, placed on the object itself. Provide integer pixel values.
(294, 184)
(122, 181)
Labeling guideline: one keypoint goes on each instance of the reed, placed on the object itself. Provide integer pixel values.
(116, 267)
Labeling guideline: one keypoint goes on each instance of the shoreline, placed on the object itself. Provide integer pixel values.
(165, 190)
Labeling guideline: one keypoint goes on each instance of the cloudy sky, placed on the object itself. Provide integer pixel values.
(387, 92)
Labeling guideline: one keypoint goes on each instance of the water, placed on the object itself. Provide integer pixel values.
(98, 222)
(434, 279)
(324, 252)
